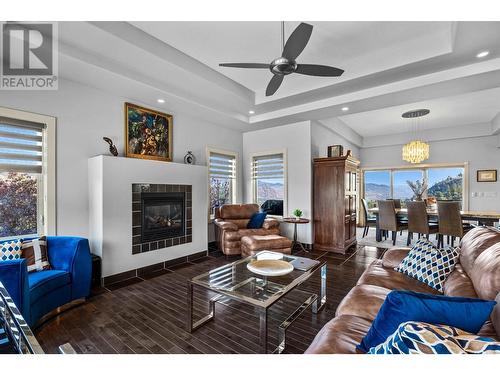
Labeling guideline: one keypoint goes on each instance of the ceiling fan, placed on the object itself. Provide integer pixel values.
(286, 64)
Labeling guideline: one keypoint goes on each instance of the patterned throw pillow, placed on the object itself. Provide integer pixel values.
(10, 250)
(424, 338)
(428, 264)
(35, 253)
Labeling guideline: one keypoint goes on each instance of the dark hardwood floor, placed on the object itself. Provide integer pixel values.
(148, 315)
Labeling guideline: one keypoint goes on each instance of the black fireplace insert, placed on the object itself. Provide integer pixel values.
(163, 216)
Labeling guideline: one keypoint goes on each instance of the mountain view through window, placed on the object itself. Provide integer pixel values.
(268, 177)
(270, 189)
(443, 184)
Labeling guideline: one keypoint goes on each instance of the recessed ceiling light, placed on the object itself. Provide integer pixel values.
(482, 54)
(345, 109)
(161, 100)
(251, 112)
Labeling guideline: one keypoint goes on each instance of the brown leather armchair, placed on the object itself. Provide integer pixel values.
(231, 224)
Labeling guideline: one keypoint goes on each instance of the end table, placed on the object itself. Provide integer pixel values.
(295, 221)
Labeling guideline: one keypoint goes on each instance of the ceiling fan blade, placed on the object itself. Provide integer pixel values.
(274, 84)
(246, 65)
(318, 70)
(297, 41)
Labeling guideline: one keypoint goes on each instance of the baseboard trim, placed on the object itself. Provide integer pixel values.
(140, 272)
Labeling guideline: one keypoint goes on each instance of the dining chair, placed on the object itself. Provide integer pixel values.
(450, 222)
(418, 221)
(397, 202)
(370, 221)
(387, 219)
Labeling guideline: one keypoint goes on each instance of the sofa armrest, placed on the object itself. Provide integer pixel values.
(14, 277)
(271, 223)
(72, 254)
(393, 257)
(226, 225)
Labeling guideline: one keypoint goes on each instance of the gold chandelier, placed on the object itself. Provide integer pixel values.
(415, 151)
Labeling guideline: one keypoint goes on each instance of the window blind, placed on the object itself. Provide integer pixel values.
(21, 146)
(267, 167)
(222, 166)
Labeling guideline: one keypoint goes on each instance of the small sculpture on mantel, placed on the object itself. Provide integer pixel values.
(112, 147)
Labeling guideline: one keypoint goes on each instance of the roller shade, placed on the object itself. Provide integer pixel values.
(21, 146)
(222, 166)
(268, 166)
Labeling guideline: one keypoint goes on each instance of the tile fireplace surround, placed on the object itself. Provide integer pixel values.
(141, 246)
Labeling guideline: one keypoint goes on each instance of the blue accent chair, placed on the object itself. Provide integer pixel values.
(38, 293)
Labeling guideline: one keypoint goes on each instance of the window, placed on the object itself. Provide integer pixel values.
(26, 208)
(222, 178)
(444, 183)
(377, 186)
(269, 180)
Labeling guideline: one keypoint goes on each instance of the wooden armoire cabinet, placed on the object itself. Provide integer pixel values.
(335, 196)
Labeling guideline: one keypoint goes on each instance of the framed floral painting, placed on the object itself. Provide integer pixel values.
(148, 133)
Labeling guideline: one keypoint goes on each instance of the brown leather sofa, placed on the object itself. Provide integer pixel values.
(477, 275)
(231, 224)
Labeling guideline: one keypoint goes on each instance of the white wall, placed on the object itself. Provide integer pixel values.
(480, 152)
(84, 115)
(296, 139)
(322, 137)
(110, 214)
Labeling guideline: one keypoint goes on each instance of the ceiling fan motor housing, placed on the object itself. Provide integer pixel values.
(282, 66)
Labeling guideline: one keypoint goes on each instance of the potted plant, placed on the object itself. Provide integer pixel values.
(419, 188)
(297, 213)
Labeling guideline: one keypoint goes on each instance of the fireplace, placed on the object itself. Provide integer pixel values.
(163, 216)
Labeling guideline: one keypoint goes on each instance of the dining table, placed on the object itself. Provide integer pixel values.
(486, 218)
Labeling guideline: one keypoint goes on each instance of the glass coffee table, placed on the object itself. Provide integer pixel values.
(235, 282)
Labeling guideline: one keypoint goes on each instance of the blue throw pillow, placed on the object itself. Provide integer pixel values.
(468, 314)
(257, 220)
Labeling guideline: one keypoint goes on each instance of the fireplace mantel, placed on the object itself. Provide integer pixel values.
(110, 206)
